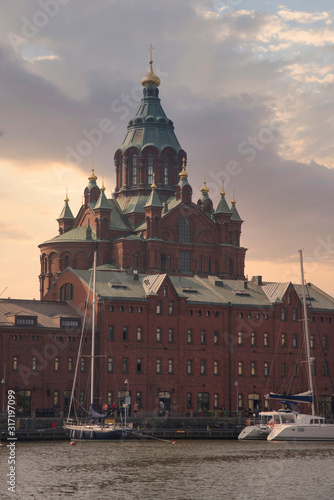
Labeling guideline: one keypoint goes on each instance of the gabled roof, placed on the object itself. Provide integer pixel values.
(275, 291)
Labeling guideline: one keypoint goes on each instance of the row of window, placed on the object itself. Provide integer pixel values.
(284, 369)
(133, 170)
(284, 340)
(159, 335)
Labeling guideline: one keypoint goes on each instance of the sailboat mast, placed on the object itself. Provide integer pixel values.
(307, 336)
(93, 335)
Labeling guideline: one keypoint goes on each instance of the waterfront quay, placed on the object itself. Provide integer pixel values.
(145, 426)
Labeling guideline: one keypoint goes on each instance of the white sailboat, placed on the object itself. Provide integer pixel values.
(264, 424)
(306, 427)
(97, 428)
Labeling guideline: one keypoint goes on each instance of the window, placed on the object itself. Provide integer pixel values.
(83, 365)
(166, 170)
(294, 340)
(57, 365)
(170, 366)
(209, 265)
(121, 309)
(283, 340)
(240, 401)
(165, 292)
(170, 308)
(189, 400)
(70, 365)
(240, 338)
(203, 367)
(110, 365)
(170, 335)
(158, 335)
(82, 398)
(130, 309)
(184, 258)
(190, 312)
(203, 401)
(67, 292)
(158, 366)
(140, 310)
(139, 399)
(216, 368)
(200, 264)
(240, 315)
(134, 169)
(15, 364)
(313, 368)
(139, 365)
(56, 398)
(253, 339)
(111, 308)
(253, 369)
(312, 341)
(265, 339)
(294, 315)
(249, 315)
(168, 263)
(125, 365)
(110, 333)
(324, 342)
(203, 339)
(240, 368)
(189, 367)
(34, 363)
(266, 370)
(284, 370)
(136, 261)
(139, 334)
(283, 314)
(150, 169)
(325, 370)
(184, 231)
(295, 371)
(125, 333)
(189, 336)
(158, 307)
(216, 337)
(216, 401)
(266, 316)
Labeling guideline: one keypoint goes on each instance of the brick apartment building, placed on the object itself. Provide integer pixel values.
(179, 327)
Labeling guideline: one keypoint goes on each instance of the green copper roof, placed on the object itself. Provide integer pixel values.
(103, 202)
(222, 206)
(235, 215)
(75, 235)
(150, 125)
(66, 213)
(153, 200)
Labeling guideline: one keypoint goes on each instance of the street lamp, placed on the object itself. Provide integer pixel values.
(237, 384)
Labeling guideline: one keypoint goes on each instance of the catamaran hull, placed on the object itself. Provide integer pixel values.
(254, 432)
(303, 433)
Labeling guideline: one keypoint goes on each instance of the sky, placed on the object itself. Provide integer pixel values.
(248, 84)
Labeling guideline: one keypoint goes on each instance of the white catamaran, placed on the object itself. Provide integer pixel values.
(97, 428)
(306, 427)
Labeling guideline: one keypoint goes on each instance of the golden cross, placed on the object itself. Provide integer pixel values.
(150, 50)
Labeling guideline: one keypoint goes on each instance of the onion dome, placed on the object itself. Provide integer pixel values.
(151, 79)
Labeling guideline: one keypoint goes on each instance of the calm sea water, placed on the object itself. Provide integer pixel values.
(187, 470)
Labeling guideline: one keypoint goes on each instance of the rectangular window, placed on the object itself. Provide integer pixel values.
(125, 365)
(139, 365)
(283, 340)
(284, 370)
(139, 399)
(130, 309)
(325, 370)
(158, 366)
(312, 341)
(83, 364)
(121, 309)
(203, 337)
(140, 310)
(216, 368)
(110, 365)
(57, 365)
(189, 367)
(240, 338)
(216, 337)
(295, 371)
(34, 364)
(171, 308)
(189, 336)
(109, 399)
(170, 335)
(139, 334)
(158, 335)
(266, 339)
(294, 315)
(15, 364)
(184, 260)
(125, 333)
(189, 400)
(240, 368)
(70, 365)
(216, 401)
(253, 369)
(110, 333)
(313, 368)
(266, 370)
(158, 309)
(56, 398)
(294, 340)
(203, 371)
(82, 398)
(324, 342)
(170, 366)
(253, 339)
(283, 315)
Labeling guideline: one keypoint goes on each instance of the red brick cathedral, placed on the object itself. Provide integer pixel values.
(180, 328)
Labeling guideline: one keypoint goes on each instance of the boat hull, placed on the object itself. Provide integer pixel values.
(302, 433)
(254, 432)
(96, 433)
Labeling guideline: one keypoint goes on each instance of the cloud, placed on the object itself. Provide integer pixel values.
(302, 17)
(13, 232)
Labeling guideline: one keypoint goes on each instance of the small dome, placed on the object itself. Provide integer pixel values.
(151, 79)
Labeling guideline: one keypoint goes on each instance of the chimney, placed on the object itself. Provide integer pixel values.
(245, 285)
(257, 280)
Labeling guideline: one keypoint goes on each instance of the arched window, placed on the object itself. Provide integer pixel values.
(134, 169)
(67, 261)
(166, 170)
(150, 169)
(121, 175)
(209, 265)
(184, 231)
(46, 265)
(136, 261)
(200, 264)
(168, 263)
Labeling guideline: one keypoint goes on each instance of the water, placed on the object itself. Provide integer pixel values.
(158, 470)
